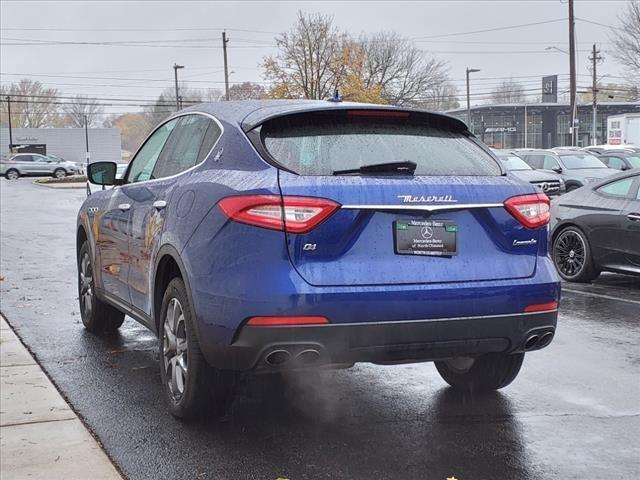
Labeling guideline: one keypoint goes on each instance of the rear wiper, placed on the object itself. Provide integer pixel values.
(406, 168)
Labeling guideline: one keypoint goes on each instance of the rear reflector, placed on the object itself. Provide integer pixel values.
(300, 214)
(532, 210)
(541, 307)
(274, 321)
(377, 113)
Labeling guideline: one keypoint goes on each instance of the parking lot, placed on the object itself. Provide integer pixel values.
(573, 412)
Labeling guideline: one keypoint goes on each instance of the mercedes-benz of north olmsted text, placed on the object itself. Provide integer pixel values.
(266, 236)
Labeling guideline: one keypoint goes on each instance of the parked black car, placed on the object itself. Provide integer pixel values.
(548, 182)
(620, 159)
(576, 168)
(597, 228)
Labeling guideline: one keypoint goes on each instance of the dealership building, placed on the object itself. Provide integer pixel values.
(540, 125)
(68, 143)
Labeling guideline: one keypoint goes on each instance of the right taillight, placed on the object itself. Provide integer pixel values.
(532, 210)
(295, 214)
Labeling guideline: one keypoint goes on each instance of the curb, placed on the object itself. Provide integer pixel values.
(41, 436)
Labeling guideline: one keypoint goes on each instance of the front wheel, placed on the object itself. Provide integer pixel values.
(489, 372)
(59, 173)
(97, 316)
(191, 386)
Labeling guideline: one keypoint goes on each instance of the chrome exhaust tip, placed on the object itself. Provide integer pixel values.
(545, 339)
(307, 357)
(277, 357)
(531, 342)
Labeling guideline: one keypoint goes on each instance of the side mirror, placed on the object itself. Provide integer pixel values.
(102, 173)
(557, 169)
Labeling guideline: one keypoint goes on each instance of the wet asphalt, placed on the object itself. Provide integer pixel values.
(573, 412)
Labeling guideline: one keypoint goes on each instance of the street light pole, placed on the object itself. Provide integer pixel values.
(175, 74)
(10, 129)
(469, 70)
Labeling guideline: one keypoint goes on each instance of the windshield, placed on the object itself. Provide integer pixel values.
(322, 144)
(512, 162)
(634, 161)
(576, 161)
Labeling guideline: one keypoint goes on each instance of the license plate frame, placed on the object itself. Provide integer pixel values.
(431, 238)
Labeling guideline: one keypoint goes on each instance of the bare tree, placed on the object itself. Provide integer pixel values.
(627, 38)
(247, 91)
(441, 98)
(509, 91)
(80, 108)
(308, 60)
(32, 105)
(405, 73)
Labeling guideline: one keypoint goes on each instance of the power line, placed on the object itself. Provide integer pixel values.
(495, 29)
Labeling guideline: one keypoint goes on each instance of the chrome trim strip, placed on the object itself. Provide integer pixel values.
(424, 208)
(182, 114)
(402, 322)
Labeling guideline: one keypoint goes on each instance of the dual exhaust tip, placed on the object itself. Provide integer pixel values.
(279, 357)
(538, 340)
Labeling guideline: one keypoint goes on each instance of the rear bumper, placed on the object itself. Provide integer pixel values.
(381, 342)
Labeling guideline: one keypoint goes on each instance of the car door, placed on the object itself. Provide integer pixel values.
(607, 222)
(631, 222)
(115, 221)
(190, 141)
(24, 163)
(42, 165)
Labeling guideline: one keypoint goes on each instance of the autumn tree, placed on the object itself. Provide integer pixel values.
(308, 59)
(32, 105)
(627, 39)
(134, 128)
(613, 92)
(81, 107)
(509, 91)
(247, 91)
(352, 83)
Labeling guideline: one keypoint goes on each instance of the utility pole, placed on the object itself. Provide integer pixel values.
(86, 136)
(176, 67)
(572, 72)
(595, 57)
(10, 129)
(225, 40)
(469, 70)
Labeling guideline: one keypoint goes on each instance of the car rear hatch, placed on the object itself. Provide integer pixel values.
(442, 222)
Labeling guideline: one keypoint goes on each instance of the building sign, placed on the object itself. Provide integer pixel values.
(26, 139)
(500, 129)
(550, 89)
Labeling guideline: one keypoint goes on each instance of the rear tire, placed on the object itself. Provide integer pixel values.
(97, 316)
(59, 173)
(489, 372)
(572, 256)
(12, 174)
(191, 386)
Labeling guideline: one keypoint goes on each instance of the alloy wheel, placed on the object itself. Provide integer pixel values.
(59, 173)
(570, 253)
(175, 349)
(12, 175)
(86, 285)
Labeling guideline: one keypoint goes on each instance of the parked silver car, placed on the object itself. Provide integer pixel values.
(34, 164)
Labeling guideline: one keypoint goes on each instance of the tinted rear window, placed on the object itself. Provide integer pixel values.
(315, 144)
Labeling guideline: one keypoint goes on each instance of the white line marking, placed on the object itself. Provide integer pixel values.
(599, 295)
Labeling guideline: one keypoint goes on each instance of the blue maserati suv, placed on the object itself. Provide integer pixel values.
(274, 235)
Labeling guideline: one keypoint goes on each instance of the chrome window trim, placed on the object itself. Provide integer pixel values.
(424, 208)
(182, 114)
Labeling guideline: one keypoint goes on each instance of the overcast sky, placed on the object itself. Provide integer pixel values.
(141, 72)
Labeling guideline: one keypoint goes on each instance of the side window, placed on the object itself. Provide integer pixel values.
(190, 142)
(145, 160)
(550, 163)
(620, 188)
(615, 162)
(534, 160)
(24, 158)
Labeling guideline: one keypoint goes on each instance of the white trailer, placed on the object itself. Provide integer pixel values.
(623, 129)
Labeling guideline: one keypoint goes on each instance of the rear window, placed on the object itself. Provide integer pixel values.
(320, 144)
(576, 161)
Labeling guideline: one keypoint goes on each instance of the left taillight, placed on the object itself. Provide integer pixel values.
(295, 214)
(532, 210)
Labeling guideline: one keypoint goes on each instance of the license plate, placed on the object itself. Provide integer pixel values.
(425, 237)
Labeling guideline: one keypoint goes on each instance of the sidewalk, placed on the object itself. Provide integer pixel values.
(40, 436)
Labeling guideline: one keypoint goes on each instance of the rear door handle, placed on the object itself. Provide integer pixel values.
(124, 206)
(634, 217)
(159, 204)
